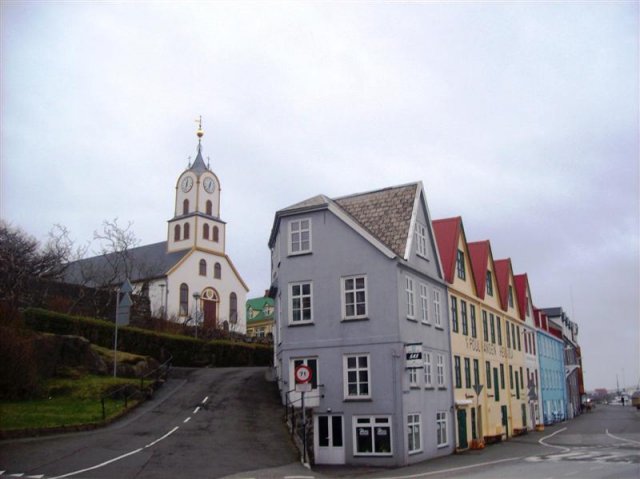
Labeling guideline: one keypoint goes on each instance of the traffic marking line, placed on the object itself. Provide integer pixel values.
(620, 438)
(195, 411)
(542, 439)
(453, 469)
(205, 400)
(187, 420)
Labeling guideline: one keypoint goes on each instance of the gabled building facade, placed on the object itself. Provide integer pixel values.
(572, 359)
(357, 283)
(260, 320)
(553, 389)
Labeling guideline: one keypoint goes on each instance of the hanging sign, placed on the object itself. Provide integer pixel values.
(413, 355)
(303, 377)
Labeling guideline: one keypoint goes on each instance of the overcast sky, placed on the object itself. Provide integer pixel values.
(522, 118)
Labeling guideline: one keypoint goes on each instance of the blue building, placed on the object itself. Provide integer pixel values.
(552, 369)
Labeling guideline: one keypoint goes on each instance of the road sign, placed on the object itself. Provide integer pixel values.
(303, 374)
(478, 388)
(413, 354)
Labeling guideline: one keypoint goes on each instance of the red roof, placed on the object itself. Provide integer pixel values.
(522, 292)
(479, 252)
(447, 232)
(502, 267)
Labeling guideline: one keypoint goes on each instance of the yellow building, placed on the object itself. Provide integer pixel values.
(260, 317)
(486, 344)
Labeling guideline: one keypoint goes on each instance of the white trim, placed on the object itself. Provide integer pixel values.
(345, 376)
(412, 422)
(424, 303)
(412, 224)
(410, 297)
(445, 421)
(300, 231)
(372, 425)
(302, 295)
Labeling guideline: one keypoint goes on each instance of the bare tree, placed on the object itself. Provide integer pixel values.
(116, 243)
(23, 258)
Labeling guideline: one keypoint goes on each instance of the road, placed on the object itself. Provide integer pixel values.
(208, 424)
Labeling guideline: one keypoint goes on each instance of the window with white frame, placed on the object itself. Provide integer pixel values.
(427, 369)
(424, 303)
(436, 308)
(421, 240)
(357, 376)
(413, 377)
(300, 236)
(354, 294)
(460, 268)
(440, 370)
(300, 303)
(372, 436)
(441, 428)
(414, 442)
(411, 308)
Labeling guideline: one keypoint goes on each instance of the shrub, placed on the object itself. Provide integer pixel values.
(186, 351)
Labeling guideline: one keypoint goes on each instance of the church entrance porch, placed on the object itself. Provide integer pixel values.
(210, 309)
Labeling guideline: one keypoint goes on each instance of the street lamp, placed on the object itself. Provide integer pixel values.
(196, 297)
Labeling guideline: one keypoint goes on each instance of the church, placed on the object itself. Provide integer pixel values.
(189, 275)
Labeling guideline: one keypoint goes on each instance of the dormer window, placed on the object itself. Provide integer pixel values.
(489, 283)
(421, 240)
(300, 236)
(462, 274)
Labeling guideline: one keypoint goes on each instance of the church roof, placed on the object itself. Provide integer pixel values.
(146, 263)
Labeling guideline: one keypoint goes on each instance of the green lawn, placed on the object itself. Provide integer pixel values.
(70, 402)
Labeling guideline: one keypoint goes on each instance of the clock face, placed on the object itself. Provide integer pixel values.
(209, 185)
(186, 183)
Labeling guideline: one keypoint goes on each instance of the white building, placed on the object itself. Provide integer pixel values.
(188, 272)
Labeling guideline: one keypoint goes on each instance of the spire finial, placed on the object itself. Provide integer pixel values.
(200, 132)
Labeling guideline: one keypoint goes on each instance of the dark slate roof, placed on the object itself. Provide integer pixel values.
(385, 213)
(318, 200)
(198, 166)
(148, 262)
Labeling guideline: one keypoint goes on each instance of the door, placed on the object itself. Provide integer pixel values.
(209, 309)
(505, 420)
(496, 385)
(329, 439)
(462, 429)
(474, 432)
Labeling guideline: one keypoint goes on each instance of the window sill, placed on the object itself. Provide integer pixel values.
(441, 446)
(350, 320)
(353, 399)
(301, 253)
(306, 323)
(413, 453)
(426, 323)
(442, 387)
(412, 318)
(439, 327)
(372, 454)
(430, 388)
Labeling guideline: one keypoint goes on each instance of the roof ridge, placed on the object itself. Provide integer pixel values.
(379, 190)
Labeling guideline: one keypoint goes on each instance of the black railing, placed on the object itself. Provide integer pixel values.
(160, 374)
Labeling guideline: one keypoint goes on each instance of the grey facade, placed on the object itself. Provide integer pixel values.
(351, 292)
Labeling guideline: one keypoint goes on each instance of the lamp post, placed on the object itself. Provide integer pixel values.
(196, 297)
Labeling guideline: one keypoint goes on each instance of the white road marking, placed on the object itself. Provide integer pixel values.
(17, 475)
(39, 476)
(299, 477)
(542, 439)
(195, 411)
(131, 453)
(99, 465)
(187, 420)
(572, 473)
(205, 400)
(163, 437)
(453, 469)
(620, 438)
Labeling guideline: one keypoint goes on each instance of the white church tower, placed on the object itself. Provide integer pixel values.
(203, 282)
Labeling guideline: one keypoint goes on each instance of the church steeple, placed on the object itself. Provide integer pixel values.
(198, 166)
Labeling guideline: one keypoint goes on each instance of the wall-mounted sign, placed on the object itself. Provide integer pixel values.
(413, 355)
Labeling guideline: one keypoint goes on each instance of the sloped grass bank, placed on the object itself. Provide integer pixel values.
(69, 403)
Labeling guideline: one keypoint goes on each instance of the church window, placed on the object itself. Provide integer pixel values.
(186, 231)
(203, 267)
(233, 308)
(209, 208)
(217, 271)
(176, 233)
(215, 234)
(185, 207)
(205, 231)
(184, 299)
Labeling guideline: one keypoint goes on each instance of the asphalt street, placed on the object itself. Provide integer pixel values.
(209, 423)
(227, 422)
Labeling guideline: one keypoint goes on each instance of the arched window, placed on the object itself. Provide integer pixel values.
(186, 231)
(185, 207)
(203, 267)
(233, 308)
(217, 271)
(209, 208)
(215, 234)
(205, 231)
(176, 233)
(184, 299)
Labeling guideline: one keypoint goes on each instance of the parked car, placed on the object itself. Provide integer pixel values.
(635, 399)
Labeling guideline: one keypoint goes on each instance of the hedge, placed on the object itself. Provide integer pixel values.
(186, 351)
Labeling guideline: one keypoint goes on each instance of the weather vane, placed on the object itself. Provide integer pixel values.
(200, 131)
